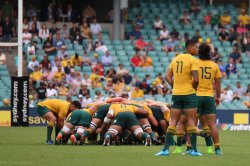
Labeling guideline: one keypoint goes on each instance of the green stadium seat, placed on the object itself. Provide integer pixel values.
(128, 47)
(118, 47)
(121, 53)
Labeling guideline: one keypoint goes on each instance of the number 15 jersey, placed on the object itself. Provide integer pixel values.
(182, 66)
(208, 71)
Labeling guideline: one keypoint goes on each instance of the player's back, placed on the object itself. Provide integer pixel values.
(55, 105)
(117, 108)
(208, 71)
(182, 67)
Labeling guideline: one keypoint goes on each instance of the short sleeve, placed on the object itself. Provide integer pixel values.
(217, 72)
(63, 112)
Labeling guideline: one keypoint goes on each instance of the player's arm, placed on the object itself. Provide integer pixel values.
(169, 77)
(116, 99)
(152, 120)
(95, 106)
(142, 112)
(195, 79)
(218, 90)
(107, 119)
(60, 122)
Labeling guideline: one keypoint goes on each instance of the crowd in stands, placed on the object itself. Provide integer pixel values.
(62, 74)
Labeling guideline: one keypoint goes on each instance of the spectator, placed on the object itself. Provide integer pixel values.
(99, 69)
(84, 90)
(231, 67)
(86, 80)
(74, 34)
(68, 68)
(44, 32)
(49, 13)
(36, 75)
(95, 27)
(165, 90)
(118, 86)
(76, 60)
(236, 55)
(98, 96)
(85, 31)
(31, 50)
(2, 58)
(149, 47)
(108, 85)
(168, 45)
(140, 44)
(134, 34)
(58, 75)
(31, 12)
(35, 22)
(121, 70)
(248, 46)
(86, 61)
(164, 34)
(111, 73)
(66, 60)
(145, 87)
(53, 29)
(158, 24)
(110, 16)
(216, 55)
(107, 59)
(137, 92)
(207, 18)
(222, 68)
(197, 35)
(8, 30)
(86, 100)
(155, 90)
(90, 46)
(47, 75)
(244, 18)
(223, 35)
(51, 91)
(64, 32)
(70, 73)
(139, 22)
(63, 90)
(73, 91)
(195, 7)
(247, 92)
(7, 10)
(100, 48)
(41, 93)
(241, 28)
(185, 19)
(58, 41)
(45, 63)
(238, 91)
(71, 14)
(62, 52)
(147, 61)
(77, 81)
(59, 13)
(89, 12)
(159, 80)
(227, 94)
(94, 59)
(32, 64)
(232, 35)
(34, 32)
(127, 78)
(225, 19)
(175, 34)
(136, 60)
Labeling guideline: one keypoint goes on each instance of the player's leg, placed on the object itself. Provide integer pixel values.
(211, 121)
(111, 134)
(206, 133)
(180, 133)
(146, 127)
(190, 109)
(64, 132)
(139, 134)
(50, 117)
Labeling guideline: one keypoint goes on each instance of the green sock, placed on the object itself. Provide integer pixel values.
(77, 135)
(208, 140)
(63, 134)
(152, 135)
(188, 148)
(49, 132)
(168, 141)
(193, 138)
(144, 136)
(86, 133)
(179, 141)
(57, 130)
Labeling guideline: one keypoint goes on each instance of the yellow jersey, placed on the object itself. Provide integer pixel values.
(208, 71)
(116, 108)
(76, 62)
(182, 66)
(137, 94)
(144, 106)
(166, 115)
(59, 107)
(148, 62)
(36, 75)
(225, 20)
(245, 19)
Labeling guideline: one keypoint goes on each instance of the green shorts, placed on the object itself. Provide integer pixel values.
(206, 105)
(126, 120)
(102, 111)
(158, 114)
(184, 101)
(80, 118)
(42, 110)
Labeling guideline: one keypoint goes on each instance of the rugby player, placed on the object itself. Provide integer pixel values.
(55, 111)
(182, 76)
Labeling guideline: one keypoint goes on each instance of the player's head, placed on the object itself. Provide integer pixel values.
(205, 52)
(75, 105)
(191, 46)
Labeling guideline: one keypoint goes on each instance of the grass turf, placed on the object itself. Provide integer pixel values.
(25, 146)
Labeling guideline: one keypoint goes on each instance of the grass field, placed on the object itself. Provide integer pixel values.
(25, 146)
